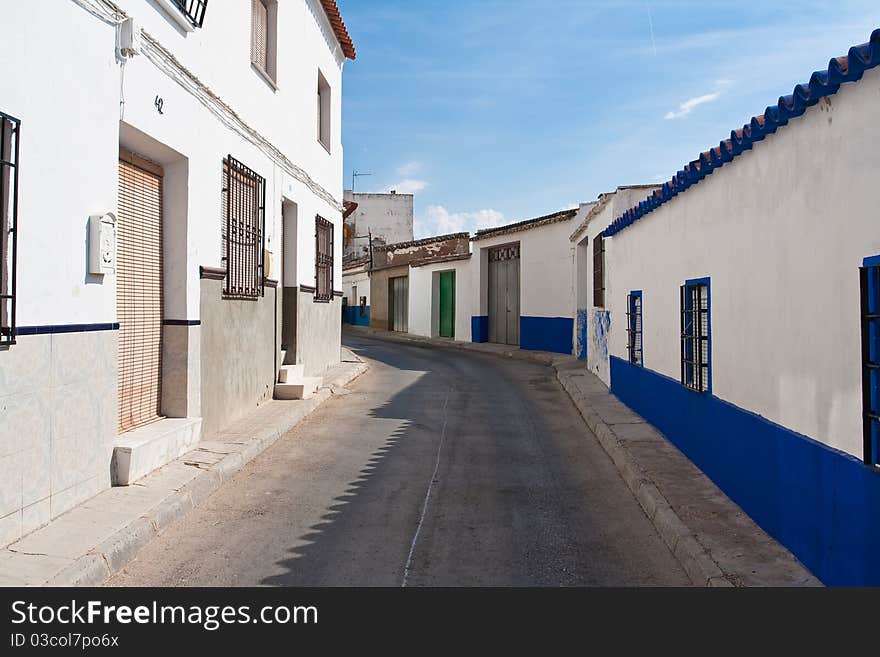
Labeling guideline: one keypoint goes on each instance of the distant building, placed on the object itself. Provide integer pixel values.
(387, 217)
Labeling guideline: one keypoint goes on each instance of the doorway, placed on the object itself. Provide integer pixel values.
(139, 291)
(447, 304)
(504, 294)
(398, 304)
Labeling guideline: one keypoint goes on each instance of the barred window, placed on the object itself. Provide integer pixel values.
(10, 131)
(243, 223)
(323, 260)
(695, 347)
(599, 271)
(634, 327)
(194, 10)
(870, 294)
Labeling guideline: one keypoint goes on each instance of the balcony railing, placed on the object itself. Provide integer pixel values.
(194, 10)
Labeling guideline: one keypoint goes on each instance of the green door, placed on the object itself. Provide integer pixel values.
(447, 304)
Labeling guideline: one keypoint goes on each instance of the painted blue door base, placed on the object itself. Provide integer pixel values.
(480, 328)
(546, 334)
(820, 503)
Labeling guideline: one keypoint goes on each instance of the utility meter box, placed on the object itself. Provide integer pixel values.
(102, 244)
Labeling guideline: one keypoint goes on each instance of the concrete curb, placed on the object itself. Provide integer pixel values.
(101, 563)
(696, 561)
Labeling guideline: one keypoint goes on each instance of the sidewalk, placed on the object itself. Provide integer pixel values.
(88, 544)
(714, 540)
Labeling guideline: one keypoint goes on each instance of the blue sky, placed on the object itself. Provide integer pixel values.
(494, 111)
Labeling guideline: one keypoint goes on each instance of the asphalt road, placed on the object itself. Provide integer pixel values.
(439, 468)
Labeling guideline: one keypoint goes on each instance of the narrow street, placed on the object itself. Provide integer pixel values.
(438, 468)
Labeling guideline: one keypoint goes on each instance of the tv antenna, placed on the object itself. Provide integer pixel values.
(355, 175)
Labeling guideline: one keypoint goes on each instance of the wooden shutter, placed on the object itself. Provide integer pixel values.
(599, 271)
(139, 291)
(259, 34)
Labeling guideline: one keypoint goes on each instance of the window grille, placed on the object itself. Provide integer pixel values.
(323, 260)
(10, 133)
(634, 327)
(194, 10)
(695, 366)
(243, 206)
(599, 271)
(870, 306)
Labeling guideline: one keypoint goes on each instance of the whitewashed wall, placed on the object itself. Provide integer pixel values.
(781, 231)
(424, 298)
(546, 288)
(357, 278)
(389, 217)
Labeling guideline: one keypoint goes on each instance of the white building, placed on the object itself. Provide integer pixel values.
(386, 218)
(356, 293)
(173, 164)
(744, 298)
(592, 321)
(523, 284)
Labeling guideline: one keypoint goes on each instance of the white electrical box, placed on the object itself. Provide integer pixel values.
(129, 38)
(102, 244)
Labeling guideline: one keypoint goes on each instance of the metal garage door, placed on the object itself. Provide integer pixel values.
(398, 303)
(504, 294)
(139, 291)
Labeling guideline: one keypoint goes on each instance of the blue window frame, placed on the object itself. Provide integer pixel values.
(870, 306)
(696, 343)
(634, 328)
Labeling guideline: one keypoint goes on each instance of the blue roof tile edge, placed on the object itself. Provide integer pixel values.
(822, 83)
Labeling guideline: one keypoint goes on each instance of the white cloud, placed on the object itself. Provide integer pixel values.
(409, 169)
(407, 186)
(437, 220)
(688, 106)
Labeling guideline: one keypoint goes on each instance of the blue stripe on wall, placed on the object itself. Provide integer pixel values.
(65, 328)
(582, 334)
(480, 328)
(820, 503)
(352, 315)
(546, 334)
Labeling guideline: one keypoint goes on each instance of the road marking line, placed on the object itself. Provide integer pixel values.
(415, 540)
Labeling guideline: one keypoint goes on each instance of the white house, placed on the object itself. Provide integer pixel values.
(522, 284)
(172, 230)
(744, 298)
(356, 292)
(592, 321)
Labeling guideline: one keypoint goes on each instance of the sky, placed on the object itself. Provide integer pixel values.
(495, 111)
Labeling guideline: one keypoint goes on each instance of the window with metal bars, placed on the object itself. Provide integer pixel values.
(243, 206)
(194, 10)
(634, 327)
(870, 307)
(696, 367)
(10, 133)
(599, 271)
(323, 260)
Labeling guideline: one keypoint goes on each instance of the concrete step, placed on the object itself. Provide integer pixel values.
(143, 450)
(291, 373)
(304, 389)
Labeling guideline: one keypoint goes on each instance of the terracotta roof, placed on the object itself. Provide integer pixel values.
(338, 25)
(348, 208)
(421, 242)
(434, 261)
(821, 84)
(528, 224)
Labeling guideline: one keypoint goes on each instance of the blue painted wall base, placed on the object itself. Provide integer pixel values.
(581, 349)
(546, 334)
(352, 315)
(820, 503)
(480, 329)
